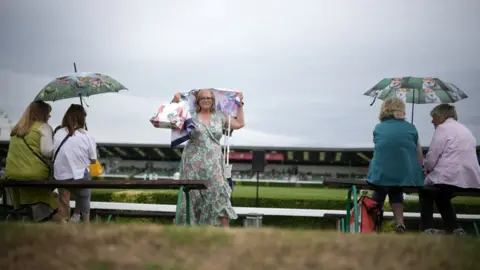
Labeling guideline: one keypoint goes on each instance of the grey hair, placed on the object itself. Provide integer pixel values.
(444, 111)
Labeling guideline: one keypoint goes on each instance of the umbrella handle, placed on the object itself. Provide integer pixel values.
(226, 144)
(79, 95)
(228, 139)
(413, 105)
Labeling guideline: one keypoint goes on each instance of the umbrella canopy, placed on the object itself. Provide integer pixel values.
(417, 90)
(80, 84)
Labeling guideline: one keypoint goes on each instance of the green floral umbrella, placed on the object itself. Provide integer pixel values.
(416, 90)
(81, 84)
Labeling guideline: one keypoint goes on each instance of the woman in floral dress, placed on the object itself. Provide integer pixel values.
(202, 160)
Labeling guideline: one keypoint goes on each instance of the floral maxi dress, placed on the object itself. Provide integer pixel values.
(202, 160)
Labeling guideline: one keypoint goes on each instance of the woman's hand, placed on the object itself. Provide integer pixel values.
(176, 97)
(240, 96)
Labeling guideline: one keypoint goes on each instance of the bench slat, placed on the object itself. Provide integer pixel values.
(362, 184)
(109, 184)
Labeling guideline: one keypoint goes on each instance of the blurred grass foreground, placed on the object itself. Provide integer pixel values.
(149, 246)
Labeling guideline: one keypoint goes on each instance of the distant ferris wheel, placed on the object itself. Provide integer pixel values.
(4, 115)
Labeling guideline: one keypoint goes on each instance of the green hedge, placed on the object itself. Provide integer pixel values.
(462, 205)
(276, 184)
(245, 183)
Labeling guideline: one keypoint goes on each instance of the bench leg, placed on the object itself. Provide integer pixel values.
(476, 228)
(4, 203)
(355, 208)
(352, 191)
(179, 203)
(347, 215)
(341, 224)
(187, 206)
(182, 191)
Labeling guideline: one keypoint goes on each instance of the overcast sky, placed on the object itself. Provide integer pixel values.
(303, 65)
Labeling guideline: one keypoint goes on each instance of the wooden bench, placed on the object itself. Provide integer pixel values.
(185, 186)
(139, 210)
(355, 185)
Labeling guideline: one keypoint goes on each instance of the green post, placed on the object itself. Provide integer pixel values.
(355, 209)
(352, 191)
(349, 206)
(179, 203)
(187, 207)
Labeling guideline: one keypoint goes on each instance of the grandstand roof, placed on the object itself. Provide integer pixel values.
(240, 154)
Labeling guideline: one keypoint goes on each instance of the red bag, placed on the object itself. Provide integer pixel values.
(370, 216)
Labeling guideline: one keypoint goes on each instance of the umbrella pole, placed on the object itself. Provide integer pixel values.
(81, 104)
(79, 95)
(413, 105)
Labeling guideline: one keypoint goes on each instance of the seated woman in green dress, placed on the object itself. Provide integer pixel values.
(28, 158)
(397, 158)
(202, 160)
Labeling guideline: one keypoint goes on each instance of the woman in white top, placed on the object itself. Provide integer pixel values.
(76, 151)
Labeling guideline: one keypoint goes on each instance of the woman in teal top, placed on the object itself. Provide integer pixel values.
(397, 158)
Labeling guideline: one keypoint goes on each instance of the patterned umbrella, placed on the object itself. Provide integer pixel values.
(81, 84)
(416, 90)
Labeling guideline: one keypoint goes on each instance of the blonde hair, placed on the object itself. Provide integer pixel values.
(197, 101)
(444, 111)
(37, 111)
(392, 108)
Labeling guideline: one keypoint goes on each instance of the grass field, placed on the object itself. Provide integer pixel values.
(134, 246)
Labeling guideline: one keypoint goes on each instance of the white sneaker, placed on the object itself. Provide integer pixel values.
(75, 218)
